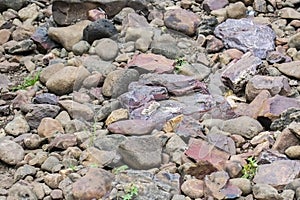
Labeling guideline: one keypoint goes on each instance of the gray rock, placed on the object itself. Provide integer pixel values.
(265, 192)
(51, 164)
(289, 13)
(221, 141)
(245, 35)
(294, 41)
(236, 10)
(287, 194)
(50, 70)
(132, 127)
(210, 5)
(166, 45)
(81, 47)
(17, 126)
(78, 110)
(21, 191)
(24, 171)
(107, 49)
(197, 70)
(94, 63)
(141, 36)
(11, 153)
(143, 152)
(109, 142)
(16, 5)
(46, 98)
(105, 111)
(116, 83)
(260, 6)
(24, 46)
(99, 29)
(243, 183)
(293, 152)
(244, 126)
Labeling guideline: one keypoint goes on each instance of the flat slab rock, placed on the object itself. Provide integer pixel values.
(245, 35)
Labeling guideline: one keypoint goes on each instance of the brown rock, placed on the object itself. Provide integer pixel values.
(94, 156)
(289, 13)
(132, 127)
(77, 110)
(193, 188)
(213, 44)
(50, 70)
(94, 185)
(201, 169)
(290, 69)
(277, 174)
(293, 152)
(49, 127)
(117, 115)
(4, 36)
(236, 10)
(182, 20)
(63, 141)
(284, 140)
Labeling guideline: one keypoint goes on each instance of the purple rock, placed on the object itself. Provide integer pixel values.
(245, 35)
(41, 38)
(46, 98)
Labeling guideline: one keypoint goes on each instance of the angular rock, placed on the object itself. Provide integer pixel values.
(4, 36)
(197, 70)
(49, 71)
(141, 36)
(284, 140)
(245, 35)
(275, 85)
(201, 169)
(143, 152)
(42, 39)
(210, 5)
(99, 29)
(94, 156)
(176, 84)
(289, 13)
(201, 150)
(260, 6)
(132, 127)
(294, 41)
(16, 5)
(213, 44)
(6, 66)
(77, 110)
(46, 98)
(265, 191)
(238, 73)
(95, 184)
(49, 127)
(166, 45)
(105, 111)
(94, 63)
(182, 20)
(236, 10)
(289, 117)
(63, 141)
(68, 36)
(117, 115)
(51, 164)
(17, 126)
(24, 171)
(11, 153)
(149, 63)
(116, 83)
(221, 141)
(277, 174)
(24, 46)
(53, 180)
(290, 69)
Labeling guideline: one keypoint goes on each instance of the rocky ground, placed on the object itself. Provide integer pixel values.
(149, 99)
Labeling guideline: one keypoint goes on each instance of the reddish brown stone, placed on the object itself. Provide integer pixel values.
(284, 140)
(132, 127)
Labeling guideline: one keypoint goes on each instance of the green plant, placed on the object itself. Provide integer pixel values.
(28, 81)
(73, 168)
(249, 169)
(130, 192)
(179, 62)
(117, 170)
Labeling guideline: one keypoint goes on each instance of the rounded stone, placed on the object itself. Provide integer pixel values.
(293, 152)
(107, 49)
(193, 188)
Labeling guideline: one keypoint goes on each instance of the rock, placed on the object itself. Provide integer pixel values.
(94, 156)
(105, 111)
(210, 5)
(67, 80)
(293, 152)
(49, 127)
(11, 153)
(278, 173)
(143, 152)
(236, 10)
(284, 140)
(63, 141)
(117, 115)
(294, 41)
(17, 126)
(18, 191)
(99, 29)
(287, 194)
(53, 180)
(141, 36)
(56, 194)
(201, 150)
(51, 164)
(182, 20)
(36, 112)
(244, 126)
(93, 81)
(107, 49)
(265, 191)
(4, 36)
(6, 66)
(295, 126)
(221, 141)
(241, 34)
(116, 83)
(33, 141)
(46, 98)
(176, 84)
(96, 14)
(197, 70)
(200, 169)
(134, 20)
(289, 13)
(77, 110)
(238, 73)
(81, 47)
(16, 5)
(24, 171)
(24, 46)
(132, 127)
(94, 63)
(95, 184)
(242, 183)
(213, 44)
(49, 71)
(260, 6)
(42, 39)
(29, 12)
(290, 69)
(193, 188)
(275, 85)
(150, 63)
(68, 36)
(166, 45)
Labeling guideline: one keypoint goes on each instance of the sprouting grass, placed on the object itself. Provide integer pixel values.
(249, 170)
(28, 81)
(131, 192)
(117, 170)
(179, 62)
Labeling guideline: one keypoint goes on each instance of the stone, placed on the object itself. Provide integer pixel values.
(19, 190)
(78, 110)
(260, 6)
(284, 140)
(134, 20)
(53, 180)
(105, 111)
(6, 66)
(176, 84)
(209, 5)
(51, 164)
(33, 141)
(182, 20)
(68, 36)
(46, 98)
(221, 141)
(201, 150)
(29, 12)
(294, 41)
(11, 153)
(265, 191)
(193, 188)
(200, 169)
(242, 183)
(95, 184)
(244, 126)
(213, 44)
(141, 36)
(17, 126)
(93, 81)
(290, 69)
(96, 14)
(67, 80)
(63, 141)
(99, 29)
(24, 46)
(166, 45)
(287, 194)
(142, 152)
(116, 83)
(275, 85)
(4, 36)
(132, 127)
(241, 34)
(36, 112)
(107, 49)
(293, 152)
(117, 115)
(207, 25)
(49, 127)
(151, 63)
(56, 194)
(277, 174)
(238, 73)
(236, 10)
(289, 13)
(49, 71)
(197, 70)
(94, 63)
(94, 156)
(24, 171)
(81, 47)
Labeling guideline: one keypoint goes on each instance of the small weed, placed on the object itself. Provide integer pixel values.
(117, 170)
(130, 192)
(28, 81)
(94, 165)
(179, 62)
(73, 168)
(249, 169)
